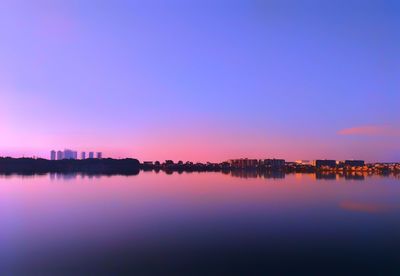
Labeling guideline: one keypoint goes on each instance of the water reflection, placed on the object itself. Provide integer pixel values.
(320, 175)
(346, 176)
(74, 176)
(258, 174)
(199, 223)
(22, 175)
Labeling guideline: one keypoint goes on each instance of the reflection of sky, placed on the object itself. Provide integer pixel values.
(201, 79)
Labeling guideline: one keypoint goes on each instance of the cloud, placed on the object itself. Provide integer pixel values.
(371, 130)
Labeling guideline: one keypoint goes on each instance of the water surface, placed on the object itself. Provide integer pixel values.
(199, 223)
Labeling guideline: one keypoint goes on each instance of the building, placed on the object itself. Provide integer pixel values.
(303, 162)
(274, 163)
(254, 163)
(53, 155)
(350, 163)
(243, 163)
(147, 165)
(60, 155)
(354, 163)
(70, 154)
(324, 163)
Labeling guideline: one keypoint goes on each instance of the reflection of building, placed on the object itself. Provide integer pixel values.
(64, 176)
(91, 155)
(274, 174)
(53, 155)
(354, 176)
(267, 174)
(326, 175)
(83, 155)
(99, 155)
(324, 163)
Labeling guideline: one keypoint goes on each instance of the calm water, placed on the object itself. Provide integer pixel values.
(199, 223)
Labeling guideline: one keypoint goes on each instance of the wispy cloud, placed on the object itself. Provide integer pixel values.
(371, 130)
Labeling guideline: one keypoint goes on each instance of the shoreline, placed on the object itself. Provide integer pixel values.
(130, 166)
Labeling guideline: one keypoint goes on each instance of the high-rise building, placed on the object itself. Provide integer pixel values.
(53, 155)
(73, 155)
(69, 154)
(60, 155)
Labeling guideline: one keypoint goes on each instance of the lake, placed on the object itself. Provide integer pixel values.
(199, 224)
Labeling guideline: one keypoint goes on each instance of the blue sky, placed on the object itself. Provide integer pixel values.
(201, 79)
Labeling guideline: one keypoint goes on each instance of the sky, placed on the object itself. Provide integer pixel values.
(201, 80)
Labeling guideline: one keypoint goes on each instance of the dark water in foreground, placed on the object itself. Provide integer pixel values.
(199, 224)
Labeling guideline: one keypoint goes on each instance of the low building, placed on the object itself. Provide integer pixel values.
(324, 163)
(303, 162)
(354, 163)
(147, 165)
(246, 163)
(243, 163)
(274, 163)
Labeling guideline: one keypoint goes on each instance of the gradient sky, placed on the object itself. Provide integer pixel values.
(201, 80)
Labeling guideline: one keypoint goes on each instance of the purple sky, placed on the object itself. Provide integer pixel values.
(201, 80)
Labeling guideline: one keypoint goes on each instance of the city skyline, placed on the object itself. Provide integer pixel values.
(270, 161)
(201, 81)
(73, 154)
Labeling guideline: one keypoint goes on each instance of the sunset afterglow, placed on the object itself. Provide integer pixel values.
(199, 81)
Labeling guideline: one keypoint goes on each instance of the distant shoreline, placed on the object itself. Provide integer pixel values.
(90, 166)
(133, 166)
